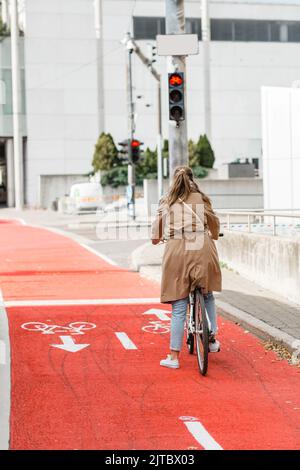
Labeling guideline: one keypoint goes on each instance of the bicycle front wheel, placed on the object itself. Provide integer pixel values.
(201, 332)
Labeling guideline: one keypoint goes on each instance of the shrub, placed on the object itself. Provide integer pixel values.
(204, 154)
(106, 153)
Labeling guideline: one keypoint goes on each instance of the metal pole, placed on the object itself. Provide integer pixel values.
(206, 36)
(100, 80)
(148, 63)
(131, 166)
(178, 145)
(159, 144)
(16, 91)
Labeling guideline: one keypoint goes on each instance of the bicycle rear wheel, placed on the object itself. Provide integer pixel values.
(201, 332)
(190, 340)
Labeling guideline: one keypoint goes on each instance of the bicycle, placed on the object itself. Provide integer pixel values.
(198, 328)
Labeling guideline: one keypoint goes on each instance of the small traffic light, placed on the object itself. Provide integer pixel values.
(135, 150)
(124, 148)
(176, 96)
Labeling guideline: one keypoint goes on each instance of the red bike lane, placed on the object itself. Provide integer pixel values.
(112, 393)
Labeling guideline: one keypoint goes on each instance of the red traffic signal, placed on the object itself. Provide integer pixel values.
(135, 143)
(175, 79)
(135, 150)
(176, 96)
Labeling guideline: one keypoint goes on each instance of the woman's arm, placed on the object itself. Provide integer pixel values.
(157, 229)
(212, 221)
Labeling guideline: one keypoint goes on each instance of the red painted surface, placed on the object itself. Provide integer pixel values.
(39, 264)
(106, 397)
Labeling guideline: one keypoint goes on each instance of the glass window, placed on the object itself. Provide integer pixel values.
(2, 92)
(294, 32)
(251, 30)
(274, 31)
(193, 26)
(5, 76)
(145, 27)
(221, 30)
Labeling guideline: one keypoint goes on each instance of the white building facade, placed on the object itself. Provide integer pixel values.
(281, 147)
(76, 83)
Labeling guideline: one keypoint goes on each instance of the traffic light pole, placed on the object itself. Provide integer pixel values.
(178, 143)
(131, 165)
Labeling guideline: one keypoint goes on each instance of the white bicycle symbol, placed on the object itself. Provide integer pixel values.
(156, 327)
(75, 328)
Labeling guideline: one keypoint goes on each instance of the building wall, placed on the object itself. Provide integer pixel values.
(61, 89)
(61, 82)
(281, 147)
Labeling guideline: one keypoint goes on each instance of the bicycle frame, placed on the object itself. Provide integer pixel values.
(191, 323)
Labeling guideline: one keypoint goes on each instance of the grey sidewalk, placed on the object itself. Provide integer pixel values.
(268, 315)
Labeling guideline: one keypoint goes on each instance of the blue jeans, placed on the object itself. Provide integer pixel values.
(179, 308)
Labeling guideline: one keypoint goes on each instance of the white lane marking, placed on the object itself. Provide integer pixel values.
(161, 314)
(45, 303)
(100, 255)
(69, 344)
(125, 341)
(199, 432)
(2, 353)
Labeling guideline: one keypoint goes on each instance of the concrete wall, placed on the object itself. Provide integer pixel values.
(281, 147)
(272, 262)
(61, 89)
(236, 193)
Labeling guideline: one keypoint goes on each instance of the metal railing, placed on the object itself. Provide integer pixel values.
(258, 217)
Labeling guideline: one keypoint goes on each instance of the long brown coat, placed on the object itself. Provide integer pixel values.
(190, 257)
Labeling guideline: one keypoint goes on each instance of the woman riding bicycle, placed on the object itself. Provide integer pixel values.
(186, 221)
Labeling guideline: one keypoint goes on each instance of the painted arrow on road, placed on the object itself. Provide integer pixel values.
(69, 344)
(161, 314)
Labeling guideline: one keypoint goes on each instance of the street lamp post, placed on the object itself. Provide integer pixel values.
(16, 98)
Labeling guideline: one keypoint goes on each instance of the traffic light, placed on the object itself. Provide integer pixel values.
(176, 96)
(124, 148)
(135, 150)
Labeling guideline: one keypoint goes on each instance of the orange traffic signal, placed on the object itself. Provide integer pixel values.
(176, 96)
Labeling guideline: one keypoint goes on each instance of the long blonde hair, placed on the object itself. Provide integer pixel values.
(183, 184)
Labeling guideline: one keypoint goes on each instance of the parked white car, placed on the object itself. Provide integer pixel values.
(86, 196)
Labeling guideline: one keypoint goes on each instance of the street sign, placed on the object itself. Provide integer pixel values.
(177, 44)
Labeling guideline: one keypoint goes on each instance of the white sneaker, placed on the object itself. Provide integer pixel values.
(169, 362)
(214, 346)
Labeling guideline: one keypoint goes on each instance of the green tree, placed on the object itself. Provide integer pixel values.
(106, 153)
(115, 177)
(4, 31)
(147, 166)
(204, 154)
(193, 158)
